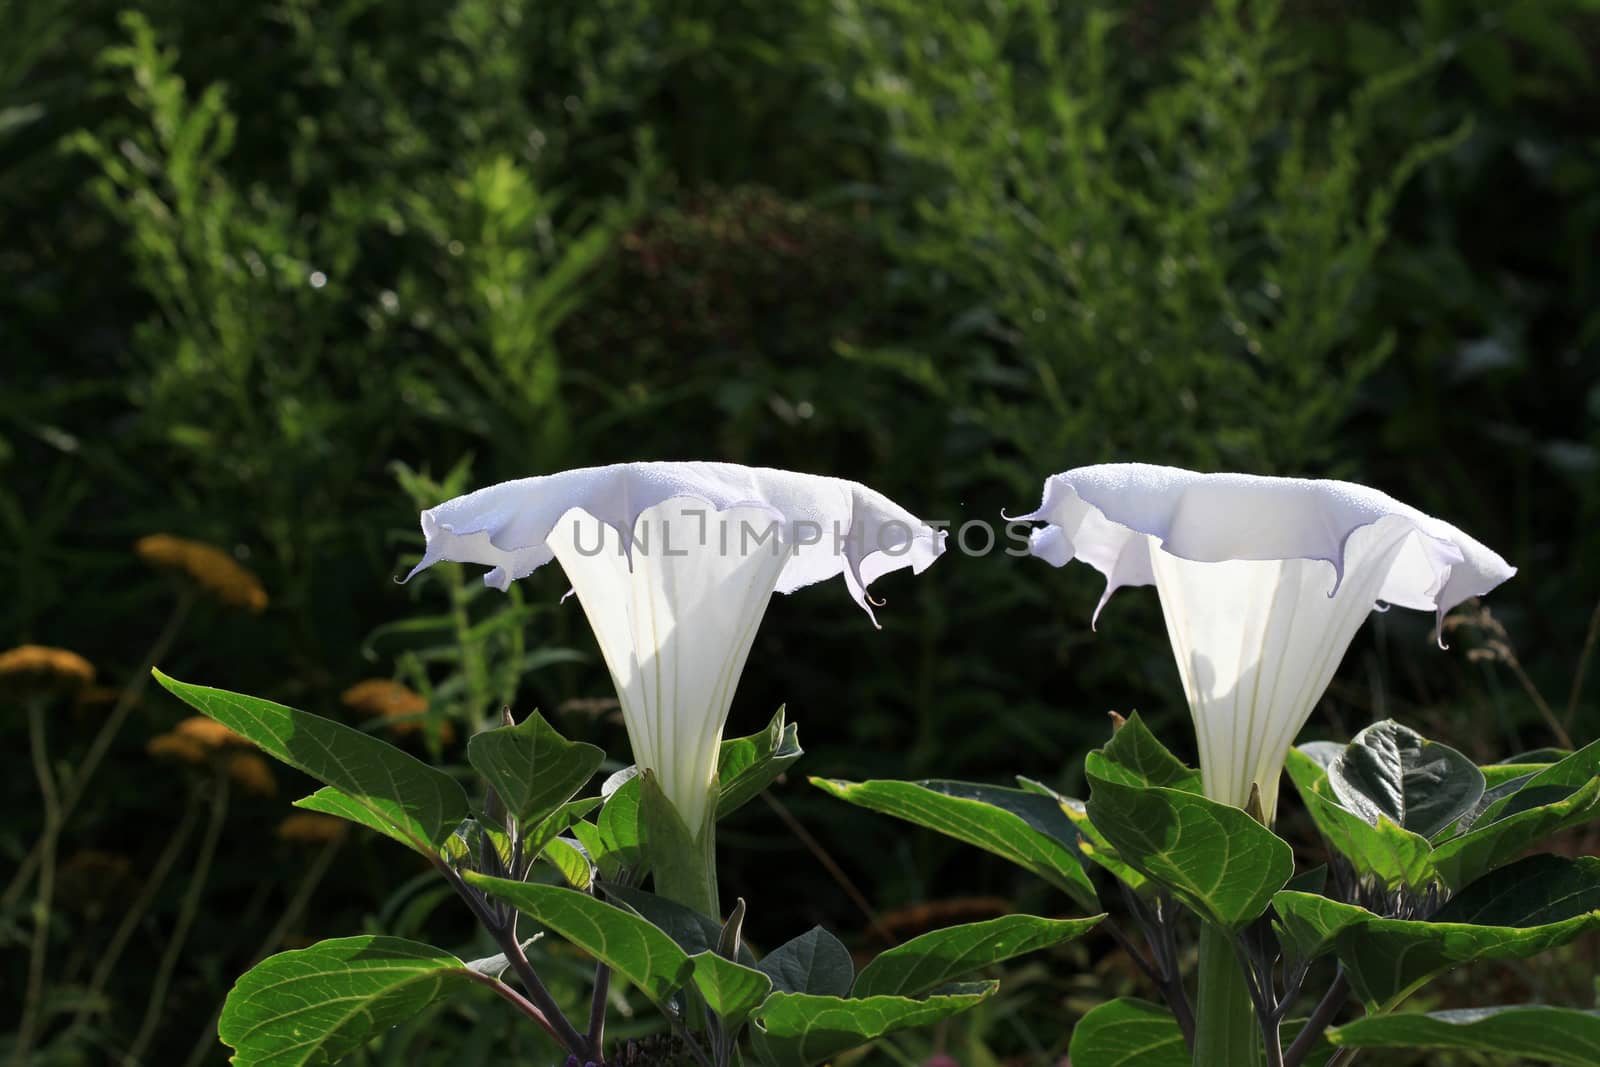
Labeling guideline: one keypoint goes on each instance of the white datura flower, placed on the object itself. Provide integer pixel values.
(674, 564)
(1263, 583)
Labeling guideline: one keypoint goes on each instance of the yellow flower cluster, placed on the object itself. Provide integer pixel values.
(207, 733)
(39, 667)
(252, 774)
(175, 747)
(391, 700)
(311, 828)
(211, 568)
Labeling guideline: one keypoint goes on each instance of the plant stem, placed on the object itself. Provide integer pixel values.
(506, 937)
(597, 1008)
(1327, 1008)
(518, 1001)
(32, 1000)
(1226, 1029)
(835, 872)
(101, 743)
(136, 912)
(186, 915)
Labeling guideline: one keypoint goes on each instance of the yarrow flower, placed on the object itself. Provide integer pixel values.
(175, 747)
(209, 567)
(208, 733)
(674, 564)
(42, 669)
(1263, 583)
(307, 827)
(382, 697)
(252, 774)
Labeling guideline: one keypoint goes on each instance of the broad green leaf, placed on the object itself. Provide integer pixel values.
(815, 962)
(1307, 923)
(1550, 785)
(330, 801)
(419, 805)
(1389, 959)
(693, 932)
(943, 956)
(1128, 1033)
(555, 824)
(747, 765)
(316, 1005)
(993, 829)
(571, 860)
(731, 990)
(1214, 858)
(632, 947)
(801, 1028)
(1535, 891)
(1134, 756)
(1383, 854)
(612, 840)
(1494, 840)
(531, 767)
(1520, 1031)
(1390, 770)
(1092, 844)
(1497, 775)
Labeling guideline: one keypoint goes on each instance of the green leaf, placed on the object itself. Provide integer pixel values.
(1390, 770)
(1308, 923)
(1128, 1033)
(633, 948)
(802, 1028)
(1523, 1031)
(1550, 785)
(613, 840)
(747, 765)
(1535, 891)
(1496, 839)
(316, 1005)
(1214, 858)
(532, 768)
(692, 931)
(1134, 756)
(555, 824)
(815, 962)
(731, 990)
(1389, 959)
(571, 860)
(1092, 844)
(991, 828)
(1384, 855)
(402, 797)
(942, 956)
(330, 801)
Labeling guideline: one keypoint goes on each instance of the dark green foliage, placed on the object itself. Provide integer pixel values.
(276, 275)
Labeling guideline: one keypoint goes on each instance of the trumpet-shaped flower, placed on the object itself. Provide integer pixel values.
(674, 564)
(1263, 584)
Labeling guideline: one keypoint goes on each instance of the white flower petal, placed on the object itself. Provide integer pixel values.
(674, 623)
(674, 564)
(835, 526)
(1098, 512)
(1263, 584)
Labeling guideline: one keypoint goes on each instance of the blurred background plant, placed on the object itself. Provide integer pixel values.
(277, 275)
